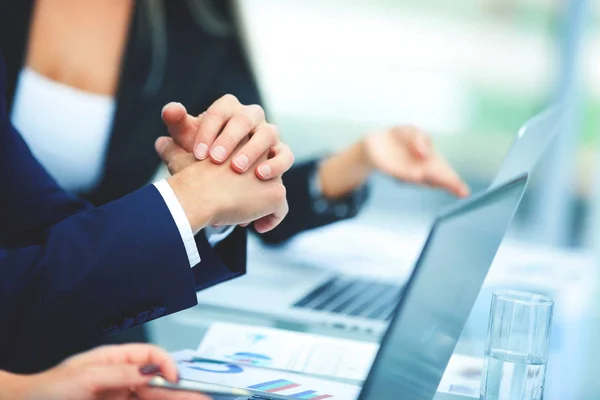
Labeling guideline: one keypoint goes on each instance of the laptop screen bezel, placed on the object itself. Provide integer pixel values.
(456, 209)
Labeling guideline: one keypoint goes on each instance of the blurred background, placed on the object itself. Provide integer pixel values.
(469, 72)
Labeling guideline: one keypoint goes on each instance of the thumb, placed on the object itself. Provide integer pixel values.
(181, 126)
(271, 221)
(173, 155)
(114, 377)
(421, 146)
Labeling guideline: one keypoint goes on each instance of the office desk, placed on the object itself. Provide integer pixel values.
(570, 278)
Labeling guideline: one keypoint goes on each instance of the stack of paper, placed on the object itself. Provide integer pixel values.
(291, 351)
(299, 364)
(194, 367)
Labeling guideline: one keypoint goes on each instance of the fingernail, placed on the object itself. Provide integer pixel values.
(150, 369)
(160, 144)
(218, 153)
(201, 151)
(241, 161)
(167, 106)
(264, 170)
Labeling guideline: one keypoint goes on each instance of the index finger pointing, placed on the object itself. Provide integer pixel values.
(442, 175)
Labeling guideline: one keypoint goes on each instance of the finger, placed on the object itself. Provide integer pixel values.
(139, 355)
(213, 121)
(148, 393)
(265, 137)
(238, 128)
(143, 355)
(181, 126)
(460, 189)
(443, 176)
(282, 161)
(175, 157)
(418, 142)
(269, 222)
(105, 378)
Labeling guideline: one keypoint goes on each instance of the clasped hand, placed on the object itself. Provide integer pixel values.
(210, 192)
(229, 131)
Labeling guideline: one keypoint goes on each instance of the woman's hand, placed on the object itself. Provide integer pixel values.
(218, 132)
(403, 152)
(110, 372)
(212, 194)
(230, 130)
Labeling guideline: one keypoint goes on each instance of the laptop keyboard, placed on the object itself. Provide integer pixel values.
(355, 297)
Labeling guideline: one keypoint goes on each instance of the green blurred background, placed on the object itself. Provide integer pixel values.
(470, 72)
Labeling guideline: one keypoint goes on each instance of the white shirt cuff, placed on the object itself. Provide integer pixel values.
(183, 225)
(215, 234)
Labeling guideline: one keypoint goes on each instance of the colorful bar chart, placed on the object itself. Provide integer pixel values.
(280, 385)
(311, 394)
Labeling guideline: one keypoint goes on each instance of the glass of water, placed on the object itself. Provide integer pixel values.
(517, 346)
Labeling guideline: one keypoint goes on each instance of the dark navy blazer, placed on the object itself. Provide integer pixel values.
(70, 272)
(217, 65)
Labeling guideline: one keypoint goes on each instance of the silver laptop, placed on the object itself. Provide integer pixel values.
(449, 273)
(301, 295)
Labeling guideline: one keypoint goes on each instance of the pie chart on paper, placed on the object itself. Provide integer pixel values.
(250, 359)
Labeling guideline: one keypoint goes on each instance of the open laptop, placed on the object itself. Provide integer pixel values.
(439, 295)
(318, 297)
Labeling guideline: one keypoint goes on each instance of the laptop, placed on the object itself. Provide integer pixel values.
(317, 297)
(427, 321)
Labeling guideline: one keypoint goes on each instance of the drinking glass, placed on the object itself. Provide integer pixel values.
(517, 346)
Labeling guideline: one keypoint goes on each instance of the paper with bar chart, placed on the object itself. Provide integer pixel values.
(286, 350)
(192, 366)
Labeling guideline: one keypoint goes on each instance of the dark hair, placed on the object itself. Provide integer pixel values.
(204, 12)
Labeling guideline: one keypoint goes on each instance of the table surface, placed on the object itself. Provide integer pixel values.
(568, 277)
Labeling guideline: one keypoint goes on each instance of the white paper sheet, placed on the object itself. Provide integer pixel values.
(286, 350)
(194, 367)
(275, 353)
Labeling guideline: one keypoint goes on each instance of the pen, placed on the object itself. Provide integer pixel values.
(203, 387)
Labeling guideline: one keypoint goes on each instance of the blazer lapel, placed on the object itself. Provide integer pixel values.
(131, 146)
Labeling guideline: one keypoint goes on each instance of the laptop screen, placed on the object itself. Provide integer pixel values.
(440, 295)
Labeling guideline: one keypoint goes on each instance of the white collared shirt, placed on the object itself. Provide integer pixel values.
(68, 131)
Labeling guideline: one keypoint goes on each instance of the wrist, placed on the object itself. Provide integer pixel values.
(361, 156)
(343, 173)
(13, 386)
(198, 217)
